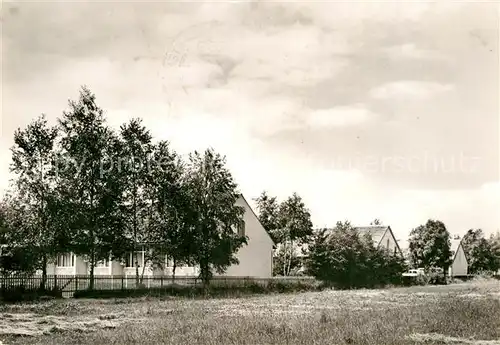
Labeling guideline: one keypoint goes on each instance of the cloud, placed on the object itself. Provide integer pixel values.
(409, 89)
(282, 89)
(412, 51)
(340, 116)
(278, 56)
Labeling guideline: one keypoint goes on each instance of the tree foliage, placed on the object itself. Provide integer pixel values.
(216, 217)
(268, 210)
(170, 222)
(14, 258)
(82, 188)
(289, 225)
(133, 168)
(480, 252)
(33, 154)
(344, 258)
(494, 241)
(430, 246)
(92, 193)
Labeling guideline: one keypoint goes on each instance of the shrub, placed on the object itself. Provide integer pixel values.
(344, 259)
(435, 278)
(22, 294)
(215, 290)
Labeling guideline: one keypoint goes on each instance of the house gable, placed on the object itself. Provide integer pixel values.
(376, 232)
(248, 207)
(255, 258)
(459, 264)
(456, 247)
(379, 233)
(389, 231)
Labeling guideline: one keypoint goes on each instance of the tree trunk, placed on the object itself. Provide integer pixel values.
(92, 265)
(284, 257)
(290, 258)
(136, 264)
(173, 271)
(135, 228)
(43, 283)
(205, 273)
(143, 270)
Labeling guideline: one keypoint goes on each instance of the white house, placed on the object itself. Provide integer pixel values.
(255, 258)
(459, 263)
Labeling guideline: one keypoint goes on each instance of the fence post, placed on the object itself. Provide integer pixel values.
(122, 284)
(55, 281)
(161, 281)
(76, 283)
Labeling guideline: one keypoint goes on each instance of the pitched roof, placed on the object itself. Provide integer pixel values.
(258, 220)
(375, 231)
(455, 243)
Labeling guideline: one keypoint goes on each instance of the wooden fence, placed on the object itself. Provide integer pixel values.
(70, 284)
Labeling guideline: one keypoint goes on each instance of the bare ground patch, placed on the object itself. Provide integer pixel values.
(444, 339)
(35, 324)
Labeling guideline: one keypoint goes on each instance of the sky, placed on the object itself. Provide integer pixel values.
(365, 109)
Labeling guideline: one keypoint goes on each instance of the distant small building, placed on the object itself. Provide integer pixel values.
(459, 263)
(382, 237)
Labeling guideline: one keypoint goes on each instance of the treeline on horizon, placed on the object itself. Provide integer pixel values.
(346, 258)
(82, 187)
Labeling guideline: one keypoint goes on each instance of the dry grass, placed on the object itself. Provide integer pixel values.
(466, 313)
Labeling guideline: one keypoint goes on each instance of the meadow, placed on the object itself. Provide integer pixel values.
(464, 313)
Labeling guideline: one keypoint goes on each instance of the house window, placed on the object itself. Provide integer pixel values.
(66, 260)
(241, 229)
(387, 244)
(102, 263)
(131, 258)
(395, 250)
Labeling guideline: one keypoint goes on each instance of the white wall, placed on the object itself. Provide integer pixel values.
(255, 257)
(116, 268)
(183, 271)
(459, 265)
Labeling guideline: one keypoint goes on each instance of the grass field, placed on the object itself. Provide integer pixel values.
(467, 313)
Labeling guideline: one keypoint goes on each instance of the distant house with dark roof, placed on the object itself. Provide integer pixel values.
(382, 237)
(459, 263)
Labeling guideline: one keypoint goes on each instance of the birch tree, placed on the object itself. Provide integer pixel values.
(32, 163)
(289, 225)
(133, 166)
(89, 183)
(212, 196)
(171, 225)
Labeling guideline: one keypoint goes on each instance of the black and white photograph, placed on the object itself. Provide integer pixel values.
(249, 172)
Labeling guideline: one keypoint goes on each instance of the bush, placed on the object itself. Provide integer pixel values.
(432, 278)
(248, 288)
(344, 259)
(436, 279)
(21, 294)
